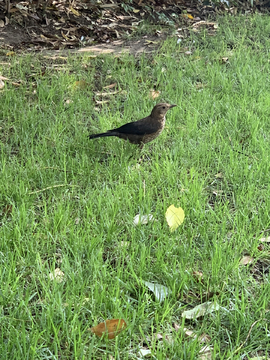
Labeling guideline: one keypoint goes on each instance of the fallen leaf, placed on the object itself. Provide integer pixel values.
(136, 11)
(75, 12)
(3, 78)
(106, 93)
(190, 16)
(246, 260)
(124, 244)
(200, 310)
(204, 338)
(2, 24)
(175, 217)
(111, 328)
(153, 94)
(219, 175)
(142, 219)
(2, 84)
(109, 86)
(10, 53)
(144, 352)
(160, 291)
(101, 102)
(57, 275)
(81, 84)
(260, 247)
(151, 42)
(265, 239)
(205, 353)
(198, 275)
(188, 52)
(7, 209)
(224, 60)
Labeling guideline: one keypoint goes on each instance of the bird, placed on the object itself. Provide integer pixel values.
(141, 131)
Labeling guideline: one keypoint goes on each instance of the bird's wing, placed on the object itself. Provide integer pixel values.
(140, 127)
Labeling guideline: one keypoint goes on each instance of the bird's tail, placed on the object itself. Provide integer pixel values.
(94, 136)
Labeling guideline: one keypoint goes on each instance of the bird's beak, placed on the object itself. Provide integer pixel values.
(173, 105)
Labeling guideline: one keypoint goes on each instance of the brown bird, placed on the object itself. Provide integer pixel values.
(141, 131)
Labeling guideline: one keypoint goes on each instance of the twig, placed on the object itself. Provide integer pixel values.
(242, 153)
(240, 347)
(50, 187)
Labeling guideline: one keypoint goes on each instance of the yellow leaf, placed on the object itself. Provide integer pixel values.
(136, 11)
(81, 84)
(190, 16)
(10, 53)
(75, 12)
(175, 217)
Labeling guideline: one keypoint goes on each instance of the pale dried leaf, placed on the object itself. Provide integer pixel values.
(107, 93)
(160, 291)
(110, 86)
(200, 310)
(2, 24)
(246, 260)
(265, 239)
(205, 353)
(57, 275)
(144, 352)
(2, 84)
(3, 78)
(153, 94)
(143, 219)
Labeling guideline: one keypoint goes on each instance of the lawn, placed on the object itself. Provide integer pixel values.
(68, 203)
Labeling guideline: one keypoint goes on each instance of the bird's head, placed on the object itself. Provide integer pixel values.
(161, 109)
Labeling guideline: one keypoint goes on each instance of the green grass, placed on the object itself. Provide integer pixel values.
(221, 126)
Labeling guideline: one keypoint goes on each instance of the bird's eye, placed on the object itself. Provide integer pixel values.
(163, 107)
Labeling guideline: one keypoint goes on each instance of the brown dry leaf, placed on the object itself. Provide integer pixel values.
(260, 247)
(265, 239)
(7, 209)
(2, 84)
(111, 328)
(153, 94)
(109, 86)
(246, 260)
